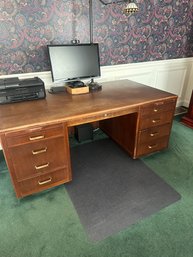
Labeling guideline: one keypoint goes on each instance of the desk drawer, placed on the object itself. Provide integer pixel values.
(34, 134)
(44, 156)
(43, 182)
(152, 146)
(103, 116)
(155, 120)
(158, 107)
(150, 134)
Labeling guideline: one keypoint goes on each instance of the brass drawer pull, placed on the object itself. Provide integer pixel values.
(36, 138)
(42, 166)
(154, 134)
(45, 181)
(155, 110)
(34, 152)
(156, 121)
(152, 146)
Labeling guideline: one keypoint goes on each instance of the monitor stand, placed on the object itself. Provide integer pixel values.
(94, 86)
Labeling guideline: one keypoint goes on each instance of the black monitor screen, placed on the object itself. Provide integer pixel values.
(73, 62)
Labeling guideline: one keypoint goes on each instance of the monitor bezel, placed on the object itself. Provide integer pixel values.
(75, 78)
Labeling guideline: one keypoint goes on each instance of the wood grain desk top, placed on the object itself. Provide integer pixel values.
(116, 98)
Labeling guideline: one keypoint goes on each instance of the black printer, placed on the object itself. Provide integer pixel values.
(16, 90)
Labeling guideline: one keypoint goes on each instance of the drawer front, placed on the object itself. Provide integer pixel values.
(158, 107)
(33, 135)
(155, 120)
(103, 116)
(153, 146)
(150, 134)
(43, 182)
(33, 159)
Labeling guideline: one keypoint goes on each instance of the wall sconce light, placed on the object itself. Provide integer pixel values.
(129, 9)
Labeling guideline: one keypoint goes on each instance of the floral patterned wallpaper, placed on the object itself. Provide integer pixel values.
(162, 29)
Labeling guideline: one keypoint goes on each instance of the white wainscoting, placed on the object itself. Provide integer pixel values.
(175, 76)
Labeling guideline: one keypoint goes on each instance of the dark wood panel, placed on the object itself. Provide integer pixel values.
(188, 118)
(123, 131)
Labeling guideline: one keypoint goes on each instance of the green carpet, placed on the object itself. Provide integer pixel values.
(46, 225)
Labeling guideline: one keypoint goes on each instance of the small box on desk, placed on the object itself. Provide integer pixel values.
(77, 90)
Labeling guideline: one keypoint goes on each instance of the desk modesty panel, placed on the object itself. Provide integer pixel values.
(34, 134)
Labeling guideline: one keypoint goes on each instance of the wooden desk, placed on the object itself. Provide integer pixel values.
(34, 134)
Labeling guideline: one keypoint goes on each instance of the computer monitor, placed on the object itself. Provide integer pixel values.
(74, 62)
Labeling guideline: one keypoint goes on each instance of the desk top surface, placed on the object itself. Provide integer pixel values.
(63, 107)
